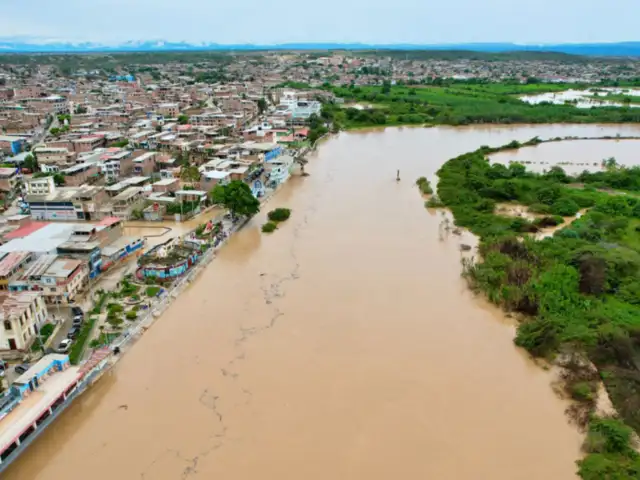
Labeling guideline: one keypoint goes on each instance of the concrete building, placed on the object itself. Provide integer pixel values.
(127, 201)
(40, 186)
(80, 174)
(11, 145)
(21, 316)
(63, 279)
(9, 178)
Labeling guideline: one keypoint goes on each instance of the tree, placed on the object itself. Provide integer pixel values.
(183, 119)
(30, 163)
(189, 173)
(262, 105)
(121, 143)
(237, 197)
(80, 109)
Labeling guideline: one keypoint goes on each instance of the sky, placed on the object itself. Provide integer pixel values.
(335, 21)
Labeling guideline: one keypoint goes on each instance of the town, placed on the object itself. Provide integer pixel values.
(108, 165)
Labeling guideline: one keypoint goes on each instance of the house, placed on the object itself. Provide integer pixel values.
(144, 164)
(63, 279)
(127, 201)
(80, 174)
(210, 179)
(166, 185)
(9, 178)
(87, 144)
(40, 186)
(21, 316)
(11, 264)
(170, 110)
(11, 145)
(67, 203)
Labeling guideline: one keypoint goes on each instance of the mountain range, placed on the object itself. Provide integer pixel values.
(27, 45)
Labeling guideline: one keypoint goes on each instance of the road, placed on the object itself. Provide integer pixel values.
(40, 137)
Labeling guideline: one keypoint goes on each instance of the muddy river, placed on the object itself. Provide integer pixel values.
(343, 346)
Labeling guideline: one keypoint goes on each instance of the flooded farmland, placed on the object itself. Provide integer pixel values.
(343, 346)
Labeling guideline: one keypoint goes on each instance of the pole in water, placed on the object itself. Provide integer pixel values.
(398, 176)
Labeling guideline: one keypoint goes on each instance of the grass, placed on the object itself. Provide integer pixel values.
(152, 291)
(45, 332)
(79, 344)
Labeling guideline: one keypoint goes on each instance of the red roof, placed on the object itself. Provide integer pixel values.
(25, 230)
(107, 222)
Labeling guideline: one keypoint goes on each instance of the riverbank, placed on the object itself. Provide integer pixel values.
(572, 289)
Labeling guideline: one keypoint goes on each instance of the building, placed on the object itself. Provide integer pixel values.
(88, 144)
(127, 201)
(9, 178)
(80, 174)
(144, 164)
(210, 179)
(166, 185)
(40, 186)
(11, 145)
(170, 110)
(11, 264)
(64, 278)
(22, 314)
(68, 203)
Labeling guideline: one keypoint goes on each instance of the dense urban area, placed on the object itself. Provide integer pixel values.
(123, 173)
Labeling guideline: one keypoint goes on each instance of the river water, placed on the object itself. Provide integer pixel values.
(342, 346)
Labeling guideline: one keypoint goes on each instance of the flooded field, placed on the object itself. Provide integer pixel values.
(342, 346)
(573, 156)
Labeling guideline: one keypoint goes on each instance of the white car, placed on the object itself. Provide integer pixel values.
(64, 346)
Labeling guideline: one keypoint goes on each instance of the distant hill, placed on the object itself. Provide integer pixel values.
(22, 45)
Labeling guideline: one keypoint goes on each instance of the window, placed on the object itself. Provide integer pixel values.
(7, 325)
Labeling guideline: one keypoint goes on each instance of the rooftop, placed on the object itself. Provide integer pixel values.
(15, 303)
(127, 194)
(29, 409)
(25, 230)
(11, 261)
(62, 267)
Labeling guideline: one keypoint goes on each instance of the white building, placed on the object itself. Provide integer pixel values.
(21, 316)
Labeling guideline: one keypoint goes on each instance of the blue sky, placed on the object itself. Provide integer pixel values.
(366, 21)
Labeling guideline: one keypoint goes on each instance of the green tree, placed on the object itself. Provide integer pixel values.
(80, 109)
(262, 105)
(189, 173)
(237, 197)
(183, 119)
(31, 163)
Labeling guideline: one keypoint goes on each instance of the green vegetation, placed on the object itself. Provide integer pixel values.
(45, 332)
(58, 178)
(131, 315)
(152, 291)
(279, 214)
(424, 186)
(75, 355)
(121, 143)
(577, 292)
(182, 207)
(455, 103)
(183, 119)
(237, 197)
(269, 227)
(128, 289)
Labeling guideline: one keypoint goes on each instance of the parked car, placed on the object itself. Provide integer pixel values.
(3, 367)
(76, 312)
(73, 333)
(77, 321)
(64, 346)
(20, 369)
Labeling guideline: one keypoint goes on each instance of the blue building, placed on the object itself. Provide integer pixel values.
(12, 145)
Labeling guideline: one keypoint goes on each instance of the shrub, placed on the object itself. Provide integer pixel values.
(540, 208)
(75, 355)
(269, 227)
(114, 308)
(279, 214)
(434, 202)
(424, 186)
(95, 343)
(131, 315)
(565, 207)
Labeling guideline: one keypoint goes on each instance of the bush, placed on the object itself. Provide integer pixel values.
(565, 207)
(434, 202)
(279, 214)
(269, 227)
(540, 208)
(75, 356)
(131, 315)
(424, 186)
(114, 308)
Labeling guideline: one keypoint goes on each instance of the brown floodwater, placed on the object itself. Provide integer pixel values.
(343, 346)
